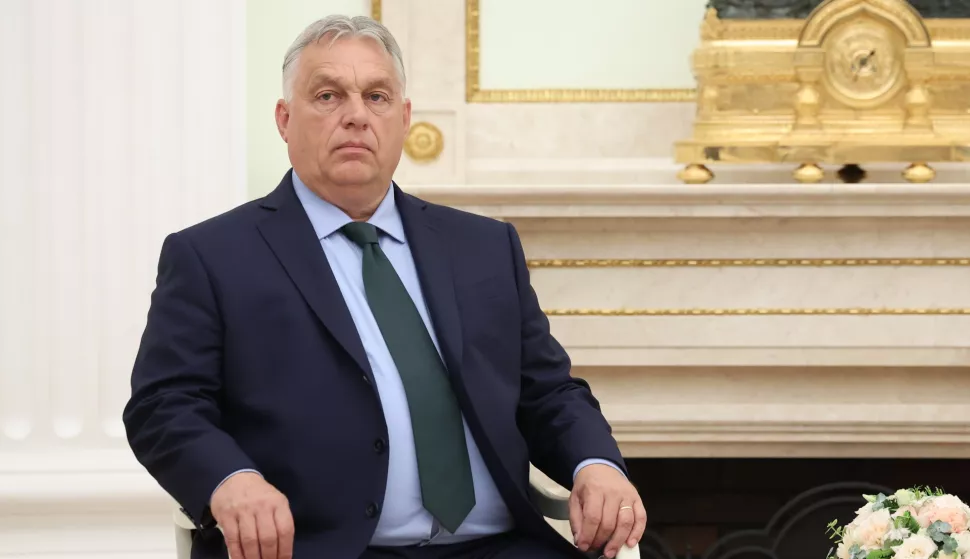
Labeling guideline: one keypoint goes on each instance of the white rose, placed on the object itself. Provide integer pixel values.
(870, 532)
(862, 514)
(963, 542)
(916, 547)
(904, 497)
(843, 551)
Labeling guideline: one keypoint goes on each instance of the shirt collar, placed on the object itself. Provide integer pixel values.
(327, 218)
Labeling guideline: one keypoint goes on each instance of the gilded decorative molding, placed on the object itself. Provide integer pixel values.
(948, 29)
(424, 142)
(745, 262)
(475, 94)
(375, 9)
(757, 312)
(751, 262)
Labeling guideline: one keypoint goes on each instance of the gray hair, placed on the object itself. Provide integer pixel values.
(339, 26)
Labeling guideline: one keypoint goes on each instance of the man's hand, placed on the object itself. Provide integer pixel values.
(254, 517)
(605, 510)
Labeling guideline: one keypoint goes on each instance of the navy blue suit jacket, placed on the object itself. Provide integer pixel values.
(250, 359)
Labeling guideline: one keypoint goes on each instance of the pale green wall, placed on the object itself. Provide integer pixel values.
(271, 25)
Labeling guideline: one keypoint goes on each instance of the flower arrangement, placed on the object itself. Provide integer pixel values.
(917, 523)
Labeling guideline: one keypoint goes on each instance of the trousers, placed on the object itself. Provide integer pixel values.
(502, 546)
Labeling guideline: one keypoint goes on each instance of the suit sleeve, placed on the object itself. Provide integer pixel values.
(558, 414)
(173, 418)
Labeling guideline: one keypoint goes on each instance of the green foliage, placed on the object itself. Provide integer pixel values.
(927, 491)
(950, 545)
(836, 532)
(881, 554)
(939, 531)
(907, 521)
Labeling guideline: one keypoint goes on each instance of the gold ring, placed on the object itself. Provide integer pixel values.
(621, 508)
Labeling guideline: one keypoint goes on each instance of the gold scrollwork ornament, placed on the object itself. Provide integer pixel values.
(424, 142)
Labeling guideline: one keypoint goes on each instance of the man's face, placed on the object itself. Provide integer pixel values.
(346, 123)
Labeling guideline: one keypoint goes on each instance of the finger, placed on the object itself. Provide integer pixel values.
(284, 531)
(575, 517)
(592, 515)
(230, 531)
(248, 537)
(639, 524)
(611, 508)
(625, 519)
(266, 532)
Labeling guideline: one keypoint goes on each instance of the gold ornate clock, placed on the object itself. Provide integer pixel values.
(856, 82)
(864, 65)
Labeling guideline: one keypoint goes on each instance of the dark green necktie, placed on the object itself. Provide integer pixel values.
(439, 435)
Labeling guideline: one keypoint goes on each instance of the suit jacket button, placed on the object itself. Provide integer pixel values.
(380, 446)
(371, 510)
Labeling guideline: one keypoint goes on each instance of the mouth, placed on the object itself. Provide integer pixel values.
(353, 147)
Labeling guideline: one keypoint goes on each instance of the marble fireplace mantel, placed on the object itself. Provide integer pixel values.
(520, 201)
(828, 320)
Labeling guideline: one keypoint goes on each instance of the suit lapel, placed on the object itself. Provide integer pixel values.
(291, 237)
(432, 259)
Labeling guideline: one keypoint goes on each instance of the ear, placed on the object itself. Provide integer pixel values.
(282, 118)
(407, 115)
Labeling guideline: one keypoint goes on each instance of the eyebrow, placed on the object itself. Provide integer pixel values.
(323, 79)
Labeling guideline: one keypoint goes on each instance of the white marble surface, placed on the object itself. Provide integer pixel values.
(669, 200)
(756, 385)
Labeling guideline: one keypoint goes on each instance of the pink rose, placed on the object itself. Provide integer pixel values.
(947, 509)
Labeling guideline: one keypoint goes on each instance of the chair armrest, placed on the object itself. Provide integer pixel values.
(549, 503)
(181, 519)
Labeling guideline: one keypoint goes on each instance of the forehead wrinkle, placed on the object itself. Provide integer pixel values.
(378, 73)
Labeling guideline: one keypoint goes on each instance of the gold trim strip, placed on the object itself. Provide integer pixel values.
(375, 9)
(580, 95)
(475, 94)
(757, 312)
(745, 262)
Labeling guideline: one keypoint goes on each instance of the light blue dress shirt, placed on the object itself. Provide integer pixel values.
(403, 519)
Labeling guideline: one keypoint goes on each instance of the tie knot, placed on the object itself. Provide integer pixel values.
(361, 233)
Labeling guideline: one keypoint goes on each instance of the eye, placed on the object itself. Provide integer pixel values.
(326, 96)
(377, 97)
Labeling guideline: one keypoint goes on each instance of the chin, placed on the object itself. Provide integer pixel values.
(353, 173)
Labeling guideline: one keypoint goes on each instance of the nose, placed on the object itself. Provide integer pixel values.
(355, 114)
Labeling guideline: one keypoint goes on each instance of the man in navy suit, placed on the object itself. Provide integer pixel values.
(342, 370)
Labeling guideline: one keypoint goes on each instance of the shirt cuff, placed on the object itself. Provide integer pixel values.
(590, 461)
(234, 473)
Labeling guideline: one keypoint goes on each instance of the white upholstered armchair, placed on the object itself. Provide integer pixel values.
(550, 502)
